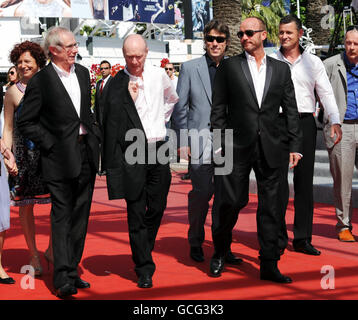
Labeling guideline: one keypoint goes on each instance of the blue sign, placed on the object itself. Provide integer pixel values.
(147, 11)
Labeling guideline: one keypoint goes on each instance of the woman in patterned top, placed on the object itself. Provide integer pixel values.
(27, 188)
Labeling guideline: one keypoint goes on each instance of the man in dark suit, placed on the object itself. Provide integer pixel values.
(192, 113)
(100, 97)
(248, 91)
(139, 102)
(56, 116)
(101, 90)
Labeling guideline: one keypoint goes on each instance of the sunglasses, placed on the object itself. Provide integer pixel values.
(12, 73)
(171, 69)
(212, 38)
(354, 27)
(249, 33)
(104, 68)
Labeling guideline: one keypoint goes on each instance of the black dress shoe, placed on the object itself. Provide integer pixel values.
(275, 276)
(145, 281)
(232, 259)
(306, 248)
(269, 271)
(8, 280)
(185, 176)
(197, 254)
(216, 266)
(81, 284)
(65, 291)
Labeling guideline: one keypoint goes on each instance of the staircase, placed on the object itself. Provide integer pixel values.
(322, 180)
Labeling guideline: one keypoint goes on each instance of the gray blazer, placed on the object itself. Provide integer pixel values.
(337, 74)
(192, 112)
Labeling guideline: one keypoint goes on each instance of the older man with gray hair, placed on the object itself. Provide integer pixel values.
(342, 71)
(56, 116)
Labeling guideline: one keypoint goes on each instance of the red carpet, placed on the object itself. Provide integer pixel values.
(108, 266)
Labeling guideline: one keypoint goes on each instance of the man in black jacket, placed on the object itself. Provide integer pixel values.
(56, 116)
(248, 91)
(139, 102)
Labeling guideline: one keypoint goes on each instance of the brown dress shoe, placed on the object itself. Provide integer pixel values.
(346, 236)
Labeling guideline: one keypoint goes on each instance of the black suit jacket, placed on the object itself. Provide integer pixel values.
(235, 106)
(124, 180)
(49, 118)
(100, 100)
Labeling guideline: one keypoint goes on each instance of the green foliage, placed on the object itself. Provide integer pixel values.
(271, 15)
(294, 9)
(89, 29)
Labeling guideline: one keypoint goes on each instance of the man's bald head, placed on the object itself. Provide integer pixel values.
(135, 51)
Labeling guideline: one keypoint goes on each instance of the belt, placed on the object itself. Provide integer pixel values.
(305, 114)
(81, 138)
(354, 121)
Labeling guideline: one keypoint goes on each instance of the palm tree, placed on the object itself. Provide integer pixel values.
(314, 16)
(229, 12)
(271, 13)
(233, 11)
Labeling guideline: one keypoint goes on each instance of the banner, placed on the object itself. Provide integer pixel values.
(202, 13)
(149, 11)
(146, 11)
(35, 8)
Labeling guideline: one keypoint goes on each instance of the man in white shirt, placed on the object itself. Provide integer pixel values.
(139, 102)
(248, 91)
(169, 69)
(309, 77)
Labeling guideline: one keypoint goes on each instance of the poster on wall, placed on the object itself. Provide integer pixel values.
(90, 9)
(146, 11)
(35, 8)
(202, 13)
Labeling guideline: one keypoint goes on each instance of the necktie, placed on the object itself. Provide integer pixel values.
(101, 88)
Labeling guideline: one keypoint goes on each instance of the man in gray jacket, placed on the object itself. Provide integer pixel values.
(192, 113)
(342, 71)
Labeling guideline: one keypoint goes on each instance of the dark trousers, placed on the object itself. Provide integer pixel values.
(284, 187)
(201, 176)
(232, 194)
(71, 202)
(303, 182)
(145, 215)
(303, 186)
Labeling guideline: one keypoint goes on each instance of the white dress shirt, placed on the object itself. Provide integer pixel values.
(155, 102)
(308, 73)
(105, 80)
(72, 86)
(175, 81)
(258, 75)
